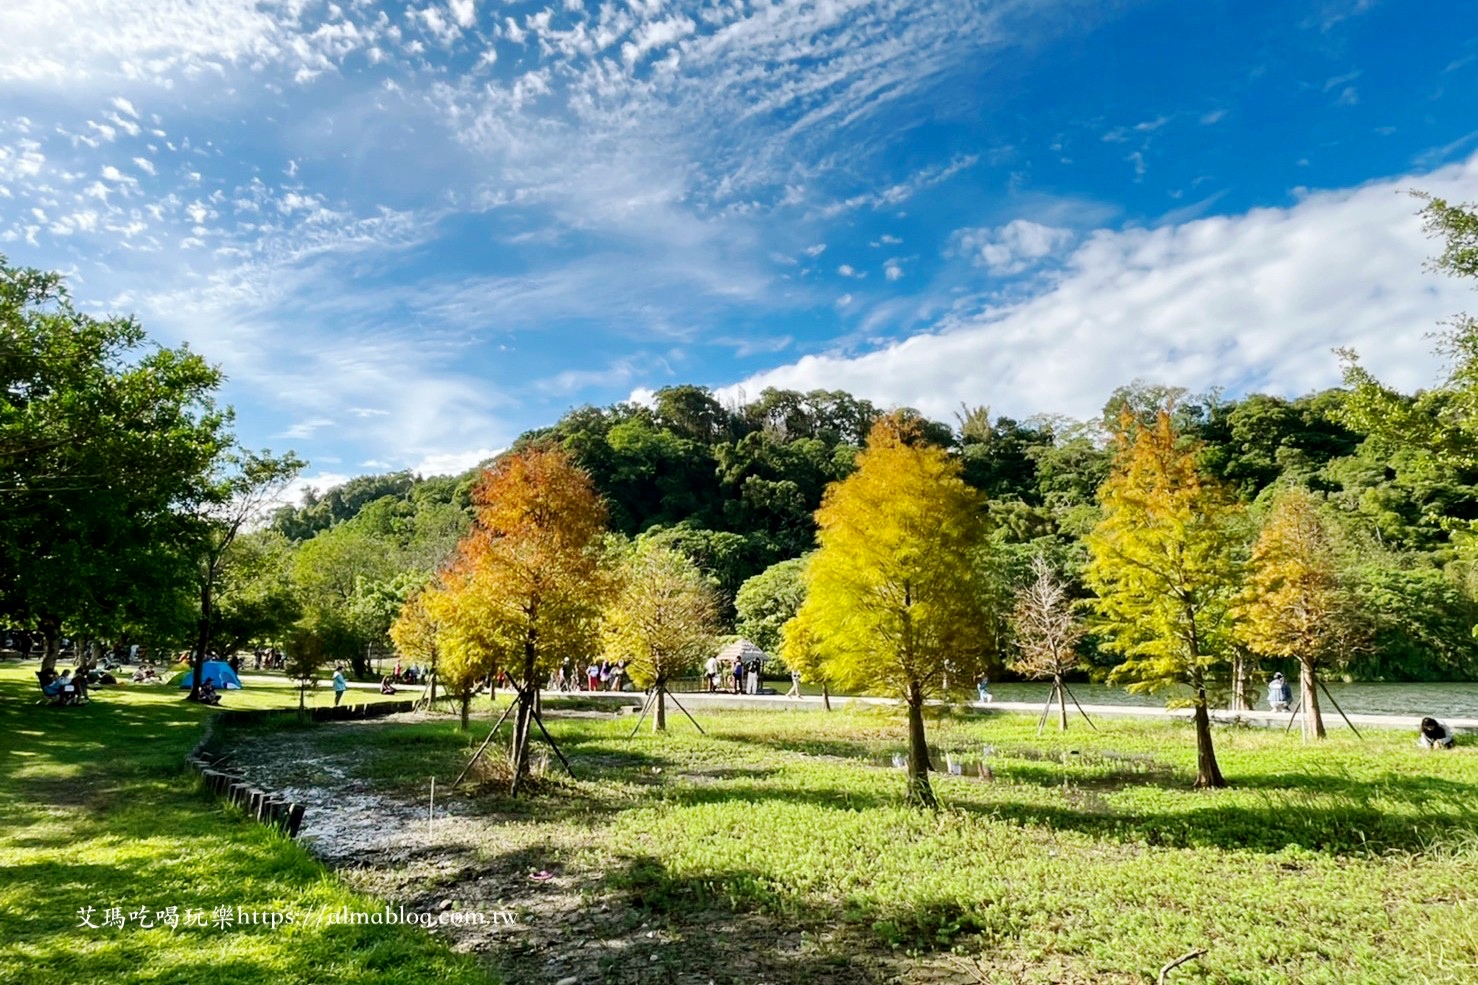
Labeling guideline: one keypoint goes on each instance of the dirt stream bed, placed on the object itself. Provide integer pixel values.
(573, 928)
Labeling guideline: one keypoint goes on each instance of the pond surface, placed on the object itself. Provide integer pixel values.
(1417, 700)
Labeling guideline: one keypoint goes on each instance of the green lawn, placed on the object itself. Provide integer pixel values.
(1087, 858)
(96, 811)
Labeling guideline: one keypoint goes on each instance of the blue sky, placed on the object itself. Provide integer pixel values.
(409, 231)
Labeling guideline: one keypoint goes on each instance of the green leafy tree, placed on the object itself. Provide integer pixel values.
(303, 658)
(108, 446)
(769, 600)
(890, 604)
(241, 489)
(1163, 565)
(662, 620)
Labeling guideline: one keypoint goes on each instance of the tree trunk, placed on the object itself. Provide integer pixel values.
(659, 718)
(51, 646)
(919, 790)
(1208, 774)
(1308, 693)
(1240, 675)
(466, 708)
(432, 699)
(519, 754)
(202, 638)
(524, 692)
(1061, 690)
(826, 696)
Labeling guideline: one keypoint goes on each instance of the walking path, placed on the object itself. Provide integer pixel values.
(776, 702)
(766, 702)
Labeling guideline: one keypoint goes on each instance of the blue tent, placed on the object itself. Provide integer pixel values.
(216, 672)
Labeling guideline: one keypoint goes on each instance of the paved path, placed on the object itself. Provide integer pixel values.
(775, 702)
(767, 702)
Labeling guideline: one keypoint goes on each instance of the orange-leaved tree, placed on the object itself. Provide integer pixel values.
(1164, 567)
(529, 586)
(1296, 602)
(891, 604)
(662, 619)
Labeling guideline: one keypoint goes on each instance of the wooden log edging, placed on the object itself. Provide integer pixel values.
(267, 806)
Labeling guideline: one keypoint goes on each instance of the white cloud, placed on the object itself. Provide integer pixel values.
(464, 12)
(1249, 302)
(1013, 248)
(893, 270)
(453, 463)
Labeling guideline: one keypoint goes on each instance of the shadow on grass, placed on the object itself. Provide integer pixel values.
(650, 888)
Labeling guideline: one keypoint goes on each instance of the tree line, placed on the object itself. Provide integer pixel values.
(127, 508)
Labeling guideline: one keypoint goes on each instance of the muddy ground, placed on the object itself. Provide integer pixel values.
(574, 926)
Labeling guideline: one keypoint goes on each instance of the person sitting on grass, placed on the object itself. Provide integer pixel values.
(386, 687)
(1434, 735)
(208, 694)
(52, 685)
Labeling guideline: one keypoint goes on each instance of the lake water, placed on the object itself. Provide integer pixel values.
(1417, 700)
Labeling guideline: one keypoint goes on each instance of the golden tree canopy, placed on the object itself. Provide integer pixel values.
(1163, 561)
(891, 604)
(1294, 604)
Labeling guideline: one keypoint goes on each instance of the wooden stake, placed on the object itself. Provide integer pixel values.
(685, 712)
(481, 748)
(1340, 710)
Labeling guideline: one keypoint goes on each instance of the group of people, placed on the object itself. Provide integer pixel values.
(70, 686)
(414, 674)
(270, 659)
(63, 688)
(735, 675)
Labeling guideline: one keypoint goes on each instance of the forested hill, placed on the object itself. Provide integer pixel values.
(735, 488)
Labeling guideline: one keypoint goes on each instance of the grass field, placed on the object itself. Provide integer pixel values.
(1086, 858)
(96, 811)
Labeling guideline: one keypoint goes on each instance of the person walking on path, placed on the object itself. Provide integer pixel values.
(340, 685)
(795, 685)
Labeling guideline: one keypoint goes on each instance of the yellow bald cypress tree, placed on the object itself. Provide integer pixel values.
(891, 605)
(1295, 603)
(1164, 567)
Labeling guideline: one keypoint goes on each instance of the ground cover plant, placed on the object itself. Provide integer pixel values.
(97, 811)
(1087, 857)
